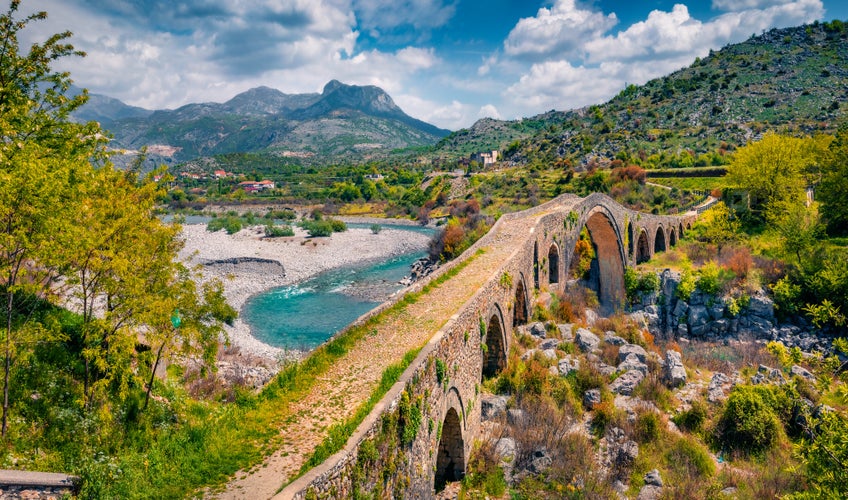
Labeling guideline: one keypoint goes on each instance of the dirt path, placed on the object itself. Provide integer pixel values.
(351, 380)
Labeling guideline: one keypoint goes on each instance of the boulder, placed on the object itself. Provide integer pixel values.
(492, 407)
(626, 454)
(800, 371)
(761, 305)
(565, 331)
(567, 365)
(528, 354)
(591, 398)
(715, 391)
(653, 486)
(536, 329)
(632, 362)
(653, 478)
(674, 371)
(549, 344)
(505, 448)
(632, 349)
(626, 383)
(698, 317)
(586, 340)
(613, 339)
(550, 354)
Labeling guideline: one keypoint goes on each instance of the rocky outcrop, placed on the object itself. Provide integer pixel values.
(586, 340)
(674, 373)
(713, 318)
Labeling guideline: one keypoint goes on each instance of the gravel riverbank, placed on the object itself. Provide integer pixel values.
(247, 263)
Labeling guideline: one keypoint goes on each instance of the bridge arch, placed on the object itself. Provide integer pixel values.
(659, 240)
(553, 264)
(450, 458)
(680, 232)
(672, 237)
(609, 260)
(643, 251)
(521, 313)
(495, 353)
(631, 243)
(536, 265)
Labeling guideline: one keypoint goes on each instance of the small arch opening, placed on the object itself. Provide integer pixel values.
(659, 241)
(672, 237)
(536, 265)
(450, 461)
(643, 251)
(553, 264)
(495, 353)
(521, 313)
(631, 245)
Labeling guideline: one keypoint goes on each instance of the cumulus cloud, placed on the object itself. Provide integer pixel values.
(603, 64)
(157, 54)
(676, 33)
(557, 30)
(489, 111)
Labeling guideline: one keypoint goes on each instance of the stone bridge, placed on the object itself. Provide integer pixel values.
(421, 433)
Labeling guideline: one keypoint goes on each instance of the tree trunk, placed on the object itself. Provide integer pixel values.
(153, 375)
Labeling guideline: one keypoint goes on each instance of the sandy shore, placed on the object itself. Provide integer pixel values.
(300, 257)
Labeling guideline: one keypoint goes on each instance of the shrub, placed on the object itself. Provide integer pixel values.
(692, 420)
(272, 231)
(652, 388)
(686, 286)
(338, 226)
(748, 423)
(786, 297)
(318, 228)
(712, 278)
(376, 228)
(605, 414)
(231, 224)
(690, 458)
(647, 427)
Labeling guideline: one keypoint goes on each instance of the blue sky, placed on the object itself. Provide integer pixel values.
(448, 62)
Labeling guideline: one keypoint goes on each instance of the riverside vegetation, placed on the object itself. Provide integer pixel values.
(94, 300)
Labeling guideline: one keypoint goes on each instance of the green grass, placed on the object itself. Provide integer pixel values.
(691, 183)
(209, 441)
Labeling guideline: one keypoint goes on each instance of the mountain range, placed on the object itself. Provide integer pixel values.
(343, 121)
(792, 80)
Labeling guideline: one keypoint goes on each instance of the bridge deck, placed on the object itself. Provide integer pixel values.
(351, 380)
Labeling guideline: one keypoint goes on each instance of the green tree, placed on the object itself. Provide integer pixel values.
(832, 193)
(718, 226)
(797, 225)
(776, 168)
(43, 158)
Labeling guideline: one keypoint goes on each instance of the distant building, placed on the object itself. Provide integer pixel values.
(220, 174)
(374, 177)
(254, 187)
(486, 158)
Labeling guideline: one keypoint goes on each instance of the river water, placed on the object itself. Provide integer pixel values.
(304, 315)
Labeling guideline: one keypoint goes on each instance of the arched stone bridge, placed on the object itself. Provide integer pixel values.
(437, 397)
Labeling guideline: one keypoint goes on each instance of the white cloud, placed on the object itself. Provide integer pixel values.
(662, 43)
(380, 15)
(559, 85)
(489, 111)
(559, 29)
